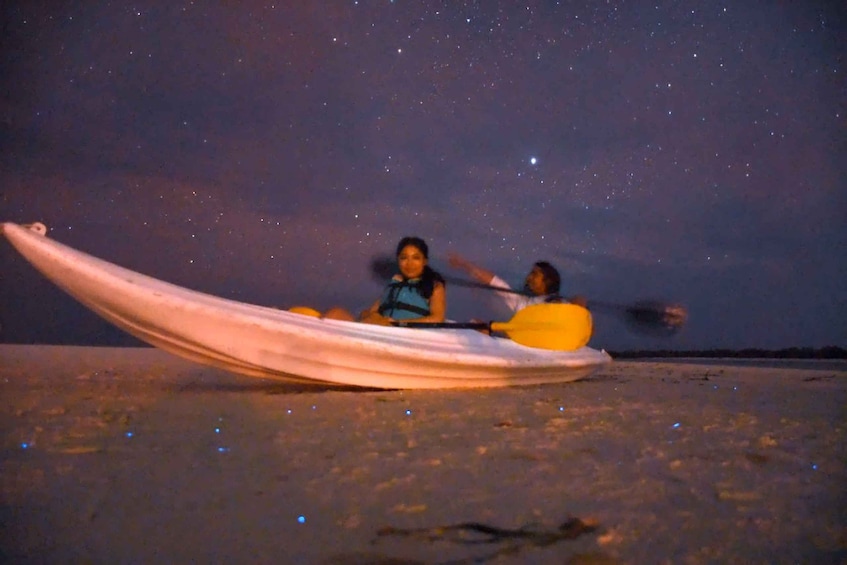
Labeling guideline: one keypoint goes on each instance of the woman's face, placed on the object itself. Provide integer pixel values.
(411, 262)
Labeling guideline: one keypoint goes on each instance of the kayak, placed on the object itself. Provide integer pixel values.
(261, 341)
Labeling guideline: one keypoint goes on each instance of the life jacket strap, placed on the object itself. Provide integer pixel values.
(383, 308)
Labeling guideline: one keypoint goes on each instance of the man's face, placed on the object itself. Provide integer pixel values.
(535, 282)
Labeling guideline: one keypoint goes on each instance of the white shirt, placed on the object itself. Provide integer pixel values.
(514, 301)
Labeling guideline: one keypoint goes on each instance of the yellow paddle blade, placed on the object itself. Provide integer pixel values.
(561, 327)
(305, 310)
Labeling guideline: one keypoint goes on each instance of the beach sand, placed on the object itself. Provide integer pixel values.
(133, 455)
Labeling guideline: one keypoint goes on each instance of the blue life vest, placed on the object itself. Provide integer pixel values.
(402, 300)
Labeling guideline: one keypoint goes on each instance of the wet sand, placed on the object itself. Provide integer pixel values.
(133, 455)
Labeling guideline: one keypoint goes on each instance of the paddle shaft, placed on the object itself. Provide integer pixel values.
(446, 325)
(490, 326)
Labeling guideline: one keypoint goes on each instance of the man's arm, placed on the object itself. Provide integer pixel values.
(476, 272)
(513, 301)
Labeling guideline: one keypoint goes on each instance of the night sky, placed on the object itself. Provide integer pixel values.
(690, 152)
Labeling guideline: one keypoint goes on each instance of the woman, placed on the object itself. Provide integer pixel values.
(415, 294)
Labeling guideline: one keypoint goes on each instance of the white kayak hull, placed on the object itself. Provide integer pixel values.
(266, 342)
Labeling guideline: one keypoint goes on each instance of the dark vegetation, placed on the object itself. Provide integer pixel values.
(828, 352)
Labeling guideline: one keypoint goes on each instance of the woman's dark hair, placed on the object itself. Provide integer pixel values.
(414, 242)
(429, 276)
(552, 280)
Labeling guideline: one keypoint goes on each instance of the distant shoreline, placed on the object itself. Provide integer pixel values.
(745, 362)
(829, 352)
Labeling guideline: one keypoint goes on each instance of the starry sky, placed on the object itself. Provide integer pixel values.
(689, 152)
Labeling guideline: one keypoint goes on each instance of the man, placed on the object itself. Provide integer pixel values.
(541, 285)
